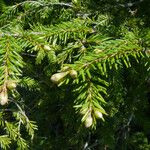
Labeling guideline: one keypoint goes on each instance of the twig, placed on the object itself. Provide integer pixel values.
(26, 54)
(123, 129)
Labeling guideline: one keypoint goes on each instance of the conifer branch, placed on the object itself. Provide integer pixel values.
(45, 3)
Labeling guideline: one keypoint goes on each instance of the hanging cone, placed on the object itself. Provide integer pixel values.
(3, 98)
(73, 74)
(98, 114)
(57, 77)
(11, 85)
(88, 121)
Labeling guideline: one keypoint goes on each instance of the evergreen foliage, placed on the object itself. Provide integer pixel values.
(74, 74)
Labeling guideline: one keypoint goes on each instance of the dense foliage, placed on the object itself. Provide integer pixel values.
(75, 74)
